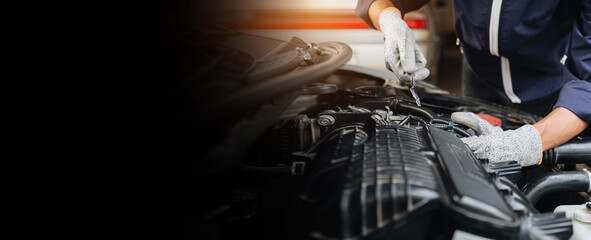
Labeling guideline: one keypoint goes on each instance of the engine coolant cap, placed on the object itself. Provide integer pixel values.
(490, 119)
(583, 214)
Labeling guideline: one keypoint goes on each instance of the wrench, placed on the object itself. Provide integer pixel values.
(413, 89)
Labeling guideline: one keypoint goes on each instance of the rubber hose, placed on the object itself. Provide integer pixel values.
(403, 107)
(457, 130)
(462, 132)
(570, 181)
(439, 120)
(574, 151)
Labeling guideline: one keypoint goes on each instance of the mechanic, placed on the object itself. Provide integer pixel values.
(527, 54)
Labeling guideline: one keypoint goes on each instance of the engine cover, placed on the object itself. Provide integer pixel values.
(384, 181)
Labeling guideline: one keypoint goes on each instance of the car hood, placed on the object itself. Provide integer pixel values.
(226, 71)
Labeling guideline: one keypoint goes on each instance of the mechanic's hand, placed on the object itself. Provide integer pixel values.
(402, 54)
(522, 145)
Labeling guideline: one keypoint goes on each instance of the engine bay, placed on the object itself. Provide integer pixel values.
(349, 155)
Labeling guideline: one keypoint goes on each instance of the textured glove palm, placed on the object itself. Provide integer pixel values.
(402, 54)
(522, 145)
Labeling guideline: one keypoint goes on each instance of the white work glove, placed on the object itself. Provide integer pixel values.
(402, 54)
(522, 145)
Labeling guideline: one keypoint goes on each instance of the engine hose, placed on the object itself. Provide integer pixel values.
(574, 151)
(402, 107)
(457, 130)
(461, 132)
(419, 119)
(570, 181)
(439, 120)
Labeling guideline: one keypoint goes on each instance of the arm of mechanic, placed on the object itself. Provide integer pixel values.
(571, 114)
(402, 55)
(572, 111)
(375, 10)
(558, 127)
(362, 9)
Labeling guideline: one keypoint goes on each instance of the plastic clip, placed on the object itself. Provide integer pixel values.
(450, 127)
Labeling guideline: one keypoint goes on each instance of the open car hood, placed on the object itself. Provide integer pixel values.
(233, 71)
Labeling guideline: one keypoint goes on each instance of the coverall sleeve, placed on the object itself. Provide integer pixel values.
(576, 92)
(403, 5)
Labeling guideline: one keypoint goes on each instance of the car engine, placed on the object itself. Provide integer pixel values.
(347, 154)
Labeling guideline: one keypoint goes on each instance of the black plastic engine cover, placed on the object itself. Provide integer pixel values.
(387, 181)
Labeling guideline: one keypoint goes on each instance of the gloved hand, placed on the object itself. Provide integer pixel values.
(402, 54)
(522, 145)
